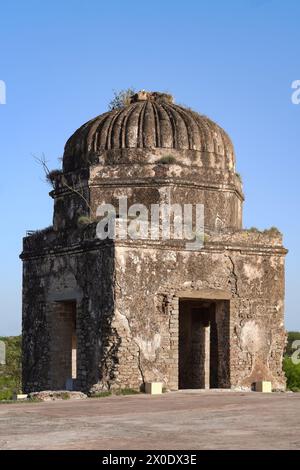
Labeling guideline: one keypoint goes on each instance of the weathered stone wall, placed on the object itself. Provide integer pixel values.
(71, 200)
(84, 273)
(128, 293)
(127, 306)
(146, 317)
(171, 184)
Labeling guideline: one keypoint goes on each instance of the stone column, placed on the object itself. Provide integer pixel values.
(207, 356)
(74, 355)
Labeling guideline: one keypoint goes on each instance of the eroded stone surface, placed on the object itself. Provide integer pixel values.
(128, 293)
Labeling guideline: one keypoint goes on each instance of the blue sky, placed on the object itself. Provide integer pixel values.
(234, 61)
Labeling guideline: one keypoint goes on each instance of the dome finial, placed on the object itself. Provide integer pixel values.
(144, 95)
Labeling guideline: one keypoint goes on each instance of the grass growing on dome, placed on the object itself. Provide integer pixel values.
(40, 232)
(267, 231)
(52, 175)
(167, 160)
(273, 230)
(239, 176)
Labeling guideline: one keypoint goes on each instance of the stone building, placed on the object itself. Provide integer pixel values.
(107, 314)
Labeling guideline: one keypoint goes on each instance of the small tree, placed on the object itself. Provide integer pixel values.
(50, 177)
(121, 98)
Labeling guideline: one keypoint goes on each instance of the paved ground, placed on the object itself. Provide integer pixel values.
(177, 420)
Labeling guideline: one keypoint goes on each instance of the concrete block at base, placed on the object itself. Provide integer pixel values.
(153, 388)
(263, 386)
(21, 396)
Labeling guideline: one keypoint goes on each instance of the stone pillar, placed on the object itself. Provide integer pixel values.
(74, 355)
(207, 357)
(174, 343)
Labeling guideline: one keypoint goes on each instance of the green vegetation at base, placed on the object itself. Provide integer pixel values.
(63, 395)
(126, 391)
(10, 373)
(121, 391)
(291, 369)
(292, 373)
(100, 394)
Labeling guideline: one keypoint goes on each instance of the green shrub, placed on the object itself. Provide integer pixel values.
(83, 220)
(126, 391)
(10, 373)
(292, 373)
(101, 394)
(167, 160)
(6, 395)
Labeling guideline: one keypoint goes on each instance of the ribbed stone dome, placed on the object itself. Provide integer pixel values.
(150, 121)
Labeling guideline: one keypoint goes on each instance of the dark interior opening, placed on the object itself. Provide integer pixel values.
(198, 344)
(64, 346)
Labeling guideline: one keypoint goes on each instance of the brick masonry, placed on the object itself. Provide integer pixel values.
(127, 293)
